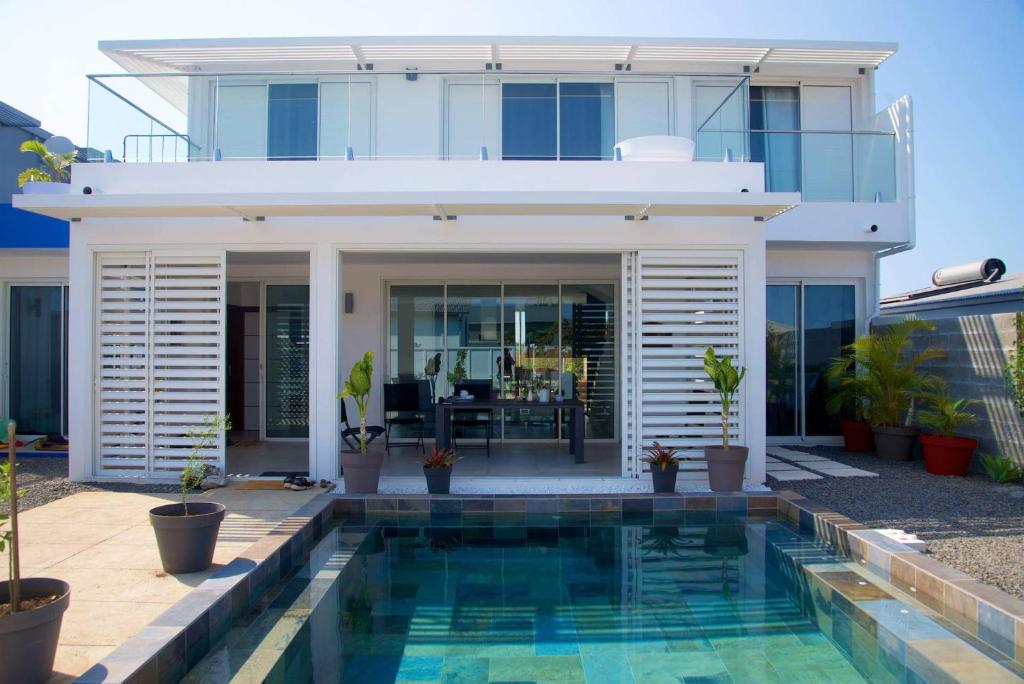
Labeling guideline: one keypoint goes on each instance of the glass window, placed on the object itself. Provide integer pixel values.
(586, 120)
(531, 344)
(720, 115)
(781, 358)
(287, 382)
(776, 108)
(588, 354)
(528, 115)
(828, 326)
(37, 358)
(292, 121)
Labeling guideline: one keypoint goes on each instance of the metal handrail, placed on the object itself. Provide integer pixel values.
(150, 136)
(799, 132)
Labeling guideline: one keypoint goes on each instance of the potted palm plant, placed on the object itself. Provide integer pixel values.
(946, 453)
(362, 470)
(53, 173)
(31, 609)
(664, 467)
(891, 380)
(848, 400)
(437, 468)
(186, 533)
(726, 463)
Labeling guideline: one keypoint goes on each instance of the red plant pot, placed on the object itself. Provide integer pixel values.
(857, 436)
(947, 455)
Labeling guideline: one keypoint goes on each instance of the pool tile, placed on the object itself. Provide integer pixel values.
(669, 667)
(420, 668)
(537, 668)
(607, 669)
(996, 628)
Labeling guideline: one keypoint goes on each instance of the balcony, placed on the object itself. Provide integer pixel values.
(376, 117)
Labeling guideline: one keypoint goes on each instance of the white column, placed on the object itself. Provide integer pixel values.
(81, 358)
(324, 337)
(754, 350)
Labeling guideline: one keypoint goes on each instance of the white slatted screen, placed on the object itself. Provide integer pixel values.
(686, 302)
(630, 448)
(161, 360)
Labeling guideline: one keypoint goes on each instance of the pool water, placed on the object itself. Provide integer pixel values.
(688, 602)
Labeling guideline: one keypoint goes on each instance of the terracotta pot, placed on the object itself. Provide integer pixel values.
(664, 480)
(361, 472)
(28, 639)
(857, 436)
(439, 480)
(895, 443)
(725, 467)
(947, 455)
(186, 542)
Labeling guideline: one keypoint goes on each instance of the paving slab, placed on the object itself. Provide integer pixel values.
(789, 475)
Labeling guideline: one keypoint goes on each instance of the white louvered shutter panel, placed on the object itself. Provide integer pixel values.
(187, 368)
(630, 448)
(122, 372)
(688, 302)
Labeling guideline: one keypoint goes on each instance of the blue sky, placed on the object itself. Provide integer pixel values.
(960, 61)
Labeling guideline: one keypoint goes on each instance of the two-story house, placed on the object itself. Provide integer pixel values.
(585, 215)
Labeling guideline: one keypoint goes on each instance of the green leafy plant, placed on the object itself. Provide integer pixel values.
(440, 458)
(1014, 370)
(663, 457)
(358, 387)
(849, 392)
(946, 415)
(431, 371)
(203, 437)
(881, 369)
(727, 379)
(458, 374)
(54, 168)
(1001, 468)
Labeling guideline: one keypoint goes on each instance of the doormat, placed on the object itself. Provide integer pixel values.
(262, 485)
(244, 443)
(284, 473)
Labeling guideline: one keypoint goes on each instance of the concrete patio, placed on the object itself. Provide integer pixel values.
(101, 543)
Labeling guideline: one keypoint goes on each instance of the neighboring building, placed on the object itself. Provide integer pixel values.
(33, 286)
(977, 324)
(480, 197)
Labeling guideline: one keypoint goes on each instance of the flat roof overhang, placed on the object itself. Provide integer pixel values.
(760, 205)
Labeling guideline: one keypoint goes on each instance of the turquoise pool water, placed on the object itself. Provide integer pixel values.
(700, 600)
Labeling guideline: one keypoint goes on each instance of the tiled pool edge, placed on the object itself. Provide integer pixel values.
(165, 649)
(985, 612)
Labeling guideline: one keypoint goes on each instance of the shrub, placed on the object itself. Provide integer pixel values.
(1001, 468)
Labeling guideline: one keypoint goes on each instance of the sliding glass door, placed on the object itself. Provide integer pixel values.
(37, 358)
(518, 336)
(808, 324)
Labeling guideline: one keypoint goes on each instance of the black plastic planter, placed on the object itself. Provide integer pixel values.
(664, 480)
(28, 639)
(439, 480)
(186, 542)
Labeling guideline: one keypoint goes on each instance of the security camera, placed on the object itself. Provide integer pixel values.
(87, 190)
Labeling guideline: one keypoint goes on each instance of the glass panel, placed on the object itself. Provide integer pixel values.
(875, 157)
(416, 344)
(776, 108)
(721, 118)
(828, 157)
(291, 121)
(36, 358)
(588, 354)
(531, 341)
(345, 119)
(474, 344)
(829, 320)
(474, 120)
(242, 121)
(287, 361)
(586, 120)
(782, 360)
(643, 109)
(528, 115)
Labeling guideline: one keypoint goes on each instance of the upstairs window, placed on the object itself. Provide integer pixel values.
(557, 120)
(292, 120)
(776, 111)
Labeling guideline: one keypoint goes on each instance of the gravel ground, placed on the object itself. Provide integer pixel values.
(43, 479)
(972, 523)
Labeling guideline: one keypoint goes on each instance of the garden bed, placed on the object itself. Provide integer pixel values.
(971, 523)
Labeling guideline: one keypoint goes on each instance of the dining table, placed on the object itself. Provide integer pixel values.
(577, 424)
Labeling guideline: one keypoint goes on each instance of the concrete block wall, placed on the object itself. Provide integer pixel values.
(977, 350)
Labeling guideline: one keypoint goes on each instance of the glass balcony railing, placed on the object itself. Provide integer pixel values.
(212, 117)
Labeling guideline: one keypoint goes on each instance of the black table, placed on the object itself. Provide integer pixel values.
(577, 424)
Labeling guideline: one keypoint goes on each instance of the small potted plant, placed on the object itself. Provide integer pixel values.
(362, 470)
(664, 467)
(31, 609)
(848, 399)
(437, 468)
(458, 373)
(946, 453)
(53, 174)
(726, 463)
(186, 533)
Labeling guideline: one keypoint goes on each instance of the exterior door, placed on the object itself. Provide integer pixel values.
(286, 361)
(37, 358)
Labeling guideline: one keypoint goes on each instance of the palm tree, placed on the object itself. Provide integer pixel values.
(55, 168)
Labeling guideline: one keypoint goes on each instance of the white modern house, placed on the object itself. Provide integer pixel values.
(582, 214)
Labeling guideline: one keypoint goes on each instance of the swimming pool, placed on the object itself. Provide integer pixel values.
(699, 598)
